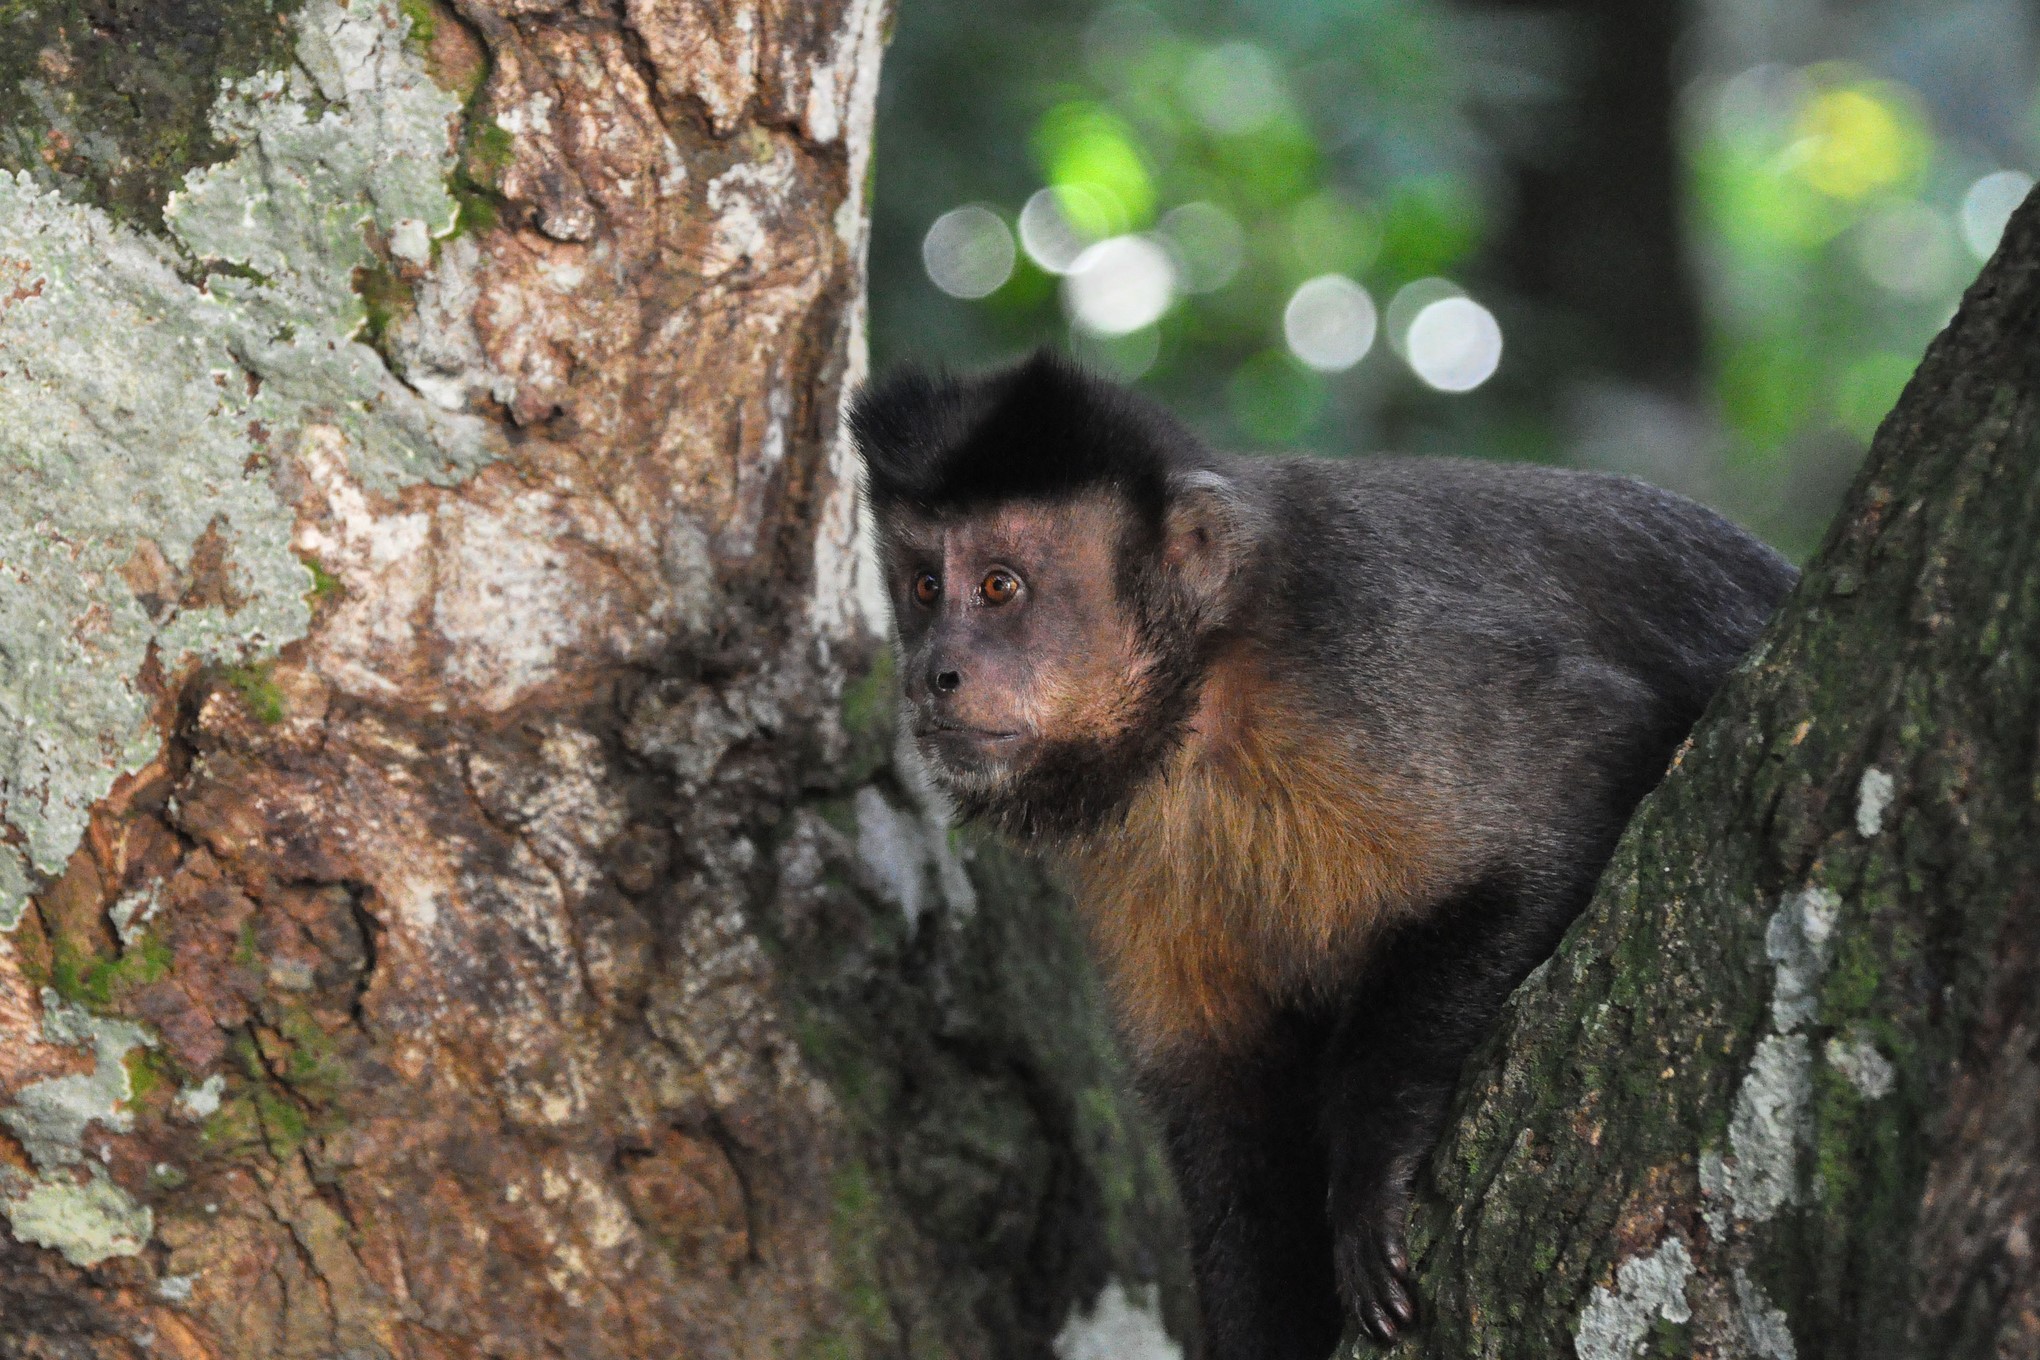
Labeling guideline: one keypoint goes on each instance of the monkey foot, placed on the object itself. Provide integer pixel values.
(1374, 1279)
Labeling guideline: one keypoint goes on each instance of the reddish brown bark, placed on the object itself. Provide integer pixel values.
(516, 918)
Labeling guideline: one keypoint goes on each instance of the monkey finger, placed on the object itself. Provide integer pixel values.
(1376, 1298)
(1395, 1300)
(1400, 1284)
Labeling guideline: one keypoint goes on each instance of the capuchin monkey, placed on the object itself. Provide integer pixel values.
(1331, 751)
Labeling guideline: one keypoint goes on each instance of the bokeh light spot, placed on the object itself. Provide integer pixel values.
(1856, 139)
(1988, 205)
(1748, 176)
(1234, 88)
(1048, 236)
(1751, 104)
(1208, 245)
(1330, 235)
(1409, 300)
(1269, 168)
(1908, 249)
(1454, 344)
(1092, 161)
(1118, 286)
(968, 252)
(1330, 323)
(1428, 224)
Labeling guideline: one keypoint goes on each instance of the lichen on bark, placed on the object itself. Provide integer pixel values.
(91, 1221)
(1793, 1037)
(540, 959)
(143, 525)
(108, 101)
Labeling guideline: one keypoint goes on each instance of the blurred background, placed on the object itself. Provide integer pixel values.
(1703, 241)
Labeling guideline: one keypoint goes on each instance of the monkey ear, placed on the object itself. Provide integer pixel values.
(1208, 533)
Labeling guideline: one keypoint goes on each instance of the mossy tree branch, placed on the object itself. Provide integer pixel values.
(1779, 1093)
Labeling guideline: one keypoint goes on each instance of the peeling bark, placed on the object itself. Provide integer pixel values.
(479, 912)
(1778, 1095)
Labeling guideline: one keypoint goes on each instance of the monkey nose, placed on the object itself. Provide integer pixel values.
(947, 682)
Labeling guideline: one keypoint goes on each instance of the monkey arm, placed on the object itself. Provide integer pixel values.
(1241, 1131)
(1430, 993)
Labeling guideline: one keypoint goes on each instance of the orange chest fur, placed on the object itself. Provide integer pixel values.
(1251, 874)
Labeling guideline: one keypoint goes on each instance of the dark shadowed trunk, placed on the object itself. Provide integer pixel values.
(1586, 261)
(1593, 243)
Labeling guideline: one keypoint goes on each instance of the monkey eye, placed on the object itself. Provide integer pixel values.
(927, 590)
(999, 587)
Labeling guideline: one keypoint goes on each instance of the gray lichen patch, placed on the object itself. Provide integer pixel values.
(14, 887)
(87, 1223)
(50, 1117)
(1117, 1326)
(93, 1219)
(1765, 1325)
(356, 135)
(1771, 1126)
(133, 911)
(1615, 1321)
(126, 427)
(144, 411)
(198, 1103)
(1773, 1116)
(910, 856)
(1773, 1119)
(1856, 1056)
(1874, 795)
(1800, 943)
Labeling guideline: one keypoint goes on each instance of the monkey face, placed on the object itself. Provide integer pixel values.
(1058, 555)
(1014, 639)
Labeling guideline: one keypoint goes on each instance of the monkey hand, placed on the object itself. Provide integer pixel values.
(1373, 1267)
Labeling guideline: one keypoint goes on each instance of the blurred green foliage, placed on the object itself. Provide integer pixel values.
(1263, 143)
(1303, 139)
(1832, 218)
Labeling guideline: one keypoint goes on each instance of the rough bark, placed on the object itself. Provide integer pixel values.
(1779, 1093)
(456, 897)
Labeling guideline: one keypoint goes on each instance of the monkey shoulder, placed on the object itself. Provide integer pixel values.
(1525, 645)
(1413, 554)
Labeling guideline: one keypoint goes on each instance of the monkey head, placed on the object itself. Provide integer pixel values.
(1058, 555)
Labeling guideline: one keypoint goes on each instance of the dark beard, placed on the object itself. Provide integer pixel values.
(1072, 790)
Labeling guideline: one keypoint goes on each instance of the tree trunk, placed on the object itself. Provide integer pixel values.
(1593, 241)
(1587, 263)
(1779, 1093)
(456, 897)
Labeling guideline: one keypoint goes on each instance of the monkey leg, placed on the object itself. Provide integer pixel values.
(1430, 993)
(1243, 1139)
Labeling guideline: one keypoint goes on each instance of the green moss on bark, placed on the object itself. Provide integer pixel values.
(1804, 996)
(1010, 1172)
(109, 100)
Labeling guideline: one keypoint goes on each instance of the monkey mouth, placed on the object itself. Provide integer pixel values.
(959, 745)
